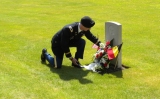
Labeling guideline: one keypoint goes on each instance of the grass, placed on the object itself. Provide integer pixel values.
(28, 26)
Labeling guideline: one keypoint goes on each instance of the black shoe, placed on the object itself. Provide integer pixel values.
(77, 66)
(43, 59)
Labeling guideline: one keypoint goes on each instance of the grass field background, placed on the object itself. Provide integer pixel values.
(27, 26)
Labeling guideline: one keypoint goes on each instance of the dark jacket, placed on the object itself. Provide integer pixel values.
(68, 34)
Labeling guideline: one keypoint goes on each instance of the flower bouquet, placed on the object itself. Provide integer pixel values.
(104, 54)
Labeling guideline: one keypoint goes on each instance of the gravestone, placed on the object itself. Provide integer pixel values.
(113, 30)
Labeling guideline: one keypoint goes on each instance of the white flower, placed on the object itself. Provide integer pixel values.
(102, 45)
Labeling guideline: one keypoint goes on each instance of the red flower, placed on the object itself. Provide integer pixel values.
(107, 43)
(105, 64)
(100, 54)
(97, 55)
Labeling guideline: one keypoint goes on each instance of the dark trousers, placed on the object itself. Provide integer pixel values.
(57, 60)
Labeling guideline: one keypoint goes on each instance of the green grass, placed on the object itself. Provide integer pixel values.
(28, 26)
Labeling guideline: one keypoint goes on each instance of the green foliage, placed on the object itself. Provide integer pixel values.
(28, 26)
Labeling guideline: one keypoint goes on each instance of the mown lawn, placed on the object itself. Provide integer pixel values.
(28, 26)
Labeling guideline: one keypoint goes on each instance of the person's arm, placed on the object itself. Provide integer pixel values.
(92, 38)
(65, 37)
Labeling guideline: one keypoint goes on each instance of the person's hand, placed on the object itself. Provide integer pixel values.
(74, 61)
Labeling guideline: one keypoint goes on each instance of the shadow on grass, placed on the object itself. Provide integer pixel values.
(118, 72)
(70, 73)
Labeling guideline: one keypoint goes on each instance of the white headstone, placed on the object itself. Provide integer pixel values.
(113, 30)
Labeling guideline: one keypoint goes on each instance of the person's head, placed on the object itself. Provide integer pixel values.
(86, 23)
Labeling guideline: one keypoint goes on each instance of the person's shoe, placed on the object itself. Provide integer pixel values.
(43, 59)
(77, 66)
